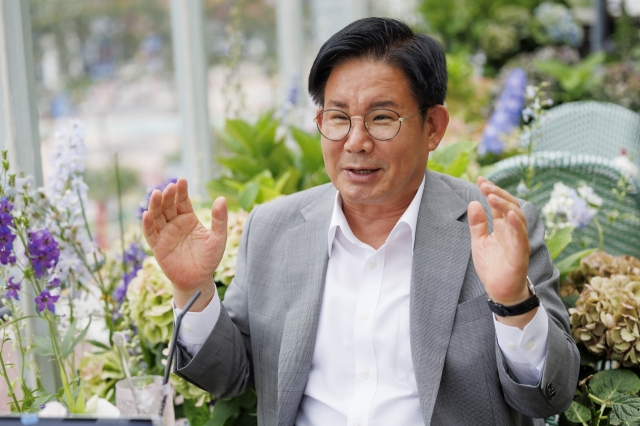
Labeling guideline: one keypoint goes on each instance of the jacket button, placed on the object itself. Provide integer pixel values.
(551, 391)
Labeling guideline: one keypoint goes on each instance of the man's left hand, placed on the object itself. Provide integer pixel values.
(501, 258)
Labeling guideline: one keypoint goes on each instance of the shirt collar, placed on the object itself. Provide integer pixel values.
(409, 217)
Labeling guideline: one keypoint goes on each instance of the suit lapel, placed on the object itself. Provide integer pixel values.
(441, 254)
(306, 257)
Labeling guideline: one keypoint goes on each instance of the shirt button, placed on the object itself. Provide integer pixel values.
(511, 345)
(366, 374)
(186, 328)
(373, 264)
(530, 345)
(365, 316)
(357, 424)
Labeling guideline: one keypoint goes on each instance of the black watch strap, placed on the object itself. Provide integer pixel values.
(518, 309)
(521, 308)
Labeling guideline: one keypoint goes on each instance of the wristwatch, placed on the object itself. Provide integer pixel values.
(521, 308)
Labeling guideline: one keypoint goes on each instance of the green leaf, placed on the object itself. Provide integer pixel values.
(43, 345)
(99, 345)
(558, 242)
(248, 197)
(578, 413)
(242, 135)
(447, 154)
(242, 167)
(68, 338)
(223, 410)
(571, 262)
(265, 140)
(609, 383)
(41, 400)
(458, 166)
(310, 147)
(196, 415)
(77, 340)
(435, 167)
(625, 410)
(570, 300)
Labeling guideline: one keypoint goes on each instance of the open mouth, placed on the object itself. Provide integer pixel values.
(364, 171)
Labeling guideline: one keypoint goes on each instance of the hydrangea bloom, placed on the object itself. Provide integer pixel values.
(568, 207)
(506, 116)
(12, 289)
(43, 251)
(559, 23)
(144, 206)
(45, 300)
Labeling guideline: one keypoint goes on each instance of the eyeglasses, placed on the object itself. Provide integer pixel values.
(381, 124)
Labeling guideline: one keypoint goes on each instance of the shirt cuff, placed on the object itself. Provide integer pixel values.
(525, 350)
(197, 326)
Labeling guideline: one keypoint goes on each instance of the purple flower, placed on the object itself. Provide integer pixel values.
(45, 301)
(506, 116)
(144, 206)
(6, 246)
(580, 216)
(133, 258)
(43, 251)
(5, 213)
(12, 289)
(54, 283)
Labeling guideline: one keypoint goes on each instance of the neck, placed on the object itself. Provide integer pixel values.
(372, 223)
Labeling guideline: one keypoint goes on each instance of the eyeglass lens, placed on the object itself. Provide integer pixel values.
(382, 124)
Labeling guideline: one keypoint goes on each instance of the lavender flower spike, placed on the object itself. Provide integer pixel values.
(45, 301)
(12, 289)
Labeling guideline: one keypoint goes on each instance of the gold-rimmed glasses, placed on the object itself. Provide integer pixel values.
(382, 124)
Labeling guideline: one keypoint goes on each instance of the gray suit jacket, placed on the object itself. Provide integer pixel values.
(267, 328)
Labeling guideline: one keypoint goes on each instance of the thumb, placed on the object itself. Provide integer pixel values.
(219, 216)
(478, 225)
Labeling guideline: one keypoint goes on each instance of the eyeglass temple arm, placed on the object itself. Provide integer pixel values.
(401, 119)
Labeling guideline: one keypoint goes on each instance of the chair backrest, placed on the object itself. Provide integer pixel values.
(589, 127)
(622, 236)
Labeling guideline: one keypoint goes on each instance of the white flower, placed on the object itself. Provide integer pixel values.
(626, 165)
(100, 407)
(53, 409)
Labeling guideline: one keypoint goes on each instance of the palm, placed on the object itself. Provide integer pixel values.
(186, 251)
(500, 258)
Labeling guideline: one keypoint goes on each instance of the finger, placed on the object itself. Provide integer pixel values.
(504, 207)
(219, 216)
(519, 226)
(155, 209)
(149, 229)
(487, 187)
(169, 209)
(183, 203)
(478, 225)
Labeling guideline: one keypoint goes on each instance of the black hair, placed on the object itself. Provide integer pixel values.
(420, 57)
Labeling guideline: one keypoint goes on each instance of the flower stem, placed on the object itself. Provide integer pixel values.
(60, 362)
(6, 379)
(596, 222)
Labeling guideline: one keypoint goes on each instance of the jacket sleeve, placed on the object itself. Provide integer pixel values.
(555, 390)
(223, 365)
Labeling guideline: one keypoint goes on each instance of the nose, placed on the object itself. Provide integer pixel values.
(358, 140)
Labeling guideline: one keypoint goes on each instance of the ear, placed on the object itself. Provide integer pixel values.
(436, 124)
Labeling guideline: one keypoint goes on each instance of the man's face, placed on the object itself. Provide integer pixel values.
(363, 169)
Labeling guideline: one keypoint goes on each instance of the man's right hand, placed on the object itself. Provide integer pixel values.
(186, 251)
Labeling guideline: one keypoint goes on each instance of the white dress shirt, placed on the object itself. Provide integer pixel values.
(361, 370)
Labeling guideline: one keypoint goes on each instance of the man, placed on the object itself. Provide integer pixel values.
(368, 305)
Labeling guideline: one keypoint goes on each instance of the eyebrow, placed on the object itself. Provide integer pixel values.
(378, 104)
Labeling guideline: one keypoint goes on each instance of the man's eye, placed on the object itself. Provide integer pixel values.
(382, 119)
(338, 117)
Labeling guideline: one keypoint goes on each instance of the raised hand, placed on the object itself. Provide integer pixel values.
(186, 251)
(501, 258)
